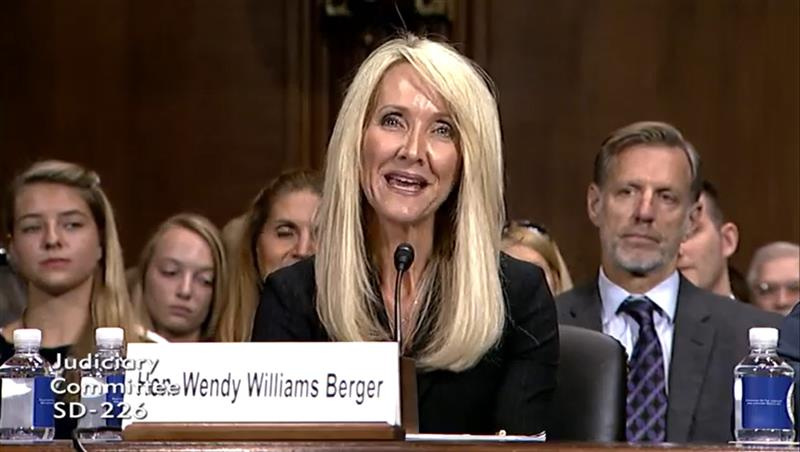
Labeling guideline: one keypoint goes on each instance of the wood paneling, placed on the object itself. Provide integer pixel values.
(725, 72)
(193, 104)
(179, 105)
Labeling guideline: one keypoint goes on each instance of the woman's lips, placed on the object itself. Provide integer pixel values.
(405, 183)
(180, 311)
(54, 262)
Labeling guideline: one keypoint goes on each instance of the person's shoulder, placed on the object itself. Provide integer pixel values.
(6, 348)
(294, 283)
(525, 289)
(751, 315)
(729, 311)
(517, 274)
(579, 293)
(300, 271)
(789, 339)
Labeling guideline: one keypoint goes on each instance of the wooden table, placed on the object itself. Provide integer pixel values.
(381, 446)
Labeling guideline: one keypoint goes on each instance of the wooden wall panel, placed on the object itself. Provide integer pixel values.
(179, 105)
(725, 72)
(193, 104)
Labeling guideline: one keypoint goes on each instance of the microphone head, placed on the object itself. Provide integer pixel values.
(403, 257)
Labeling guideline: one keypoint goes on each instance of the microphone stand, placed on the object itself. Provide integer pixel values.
(403, 258)
(398, 333)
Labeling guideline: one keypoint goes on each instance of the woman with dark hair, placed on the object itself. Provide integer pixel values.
(275, 232)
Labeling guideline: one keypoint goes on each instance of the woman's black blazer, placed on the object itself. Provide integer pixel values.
(508, 389)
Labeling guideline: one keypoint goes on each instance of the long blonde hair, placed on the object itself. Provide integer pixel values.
(203, 227)
(462, 295)
(109, 304)
(538, 239)
(246, 277)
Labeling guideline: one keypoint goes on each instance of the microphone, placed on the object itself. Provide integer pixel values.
(403, 258)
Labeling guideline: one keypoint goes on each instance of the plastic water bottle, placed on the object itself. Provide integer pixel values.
(26, 412)
(102, 389)
(762, 391)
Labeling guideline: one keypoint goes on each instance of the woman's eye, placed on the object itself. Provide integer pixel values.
(391, 120)
(73, 225)
(443, 129)
(30, 228)
(168, 272)
(284, 232)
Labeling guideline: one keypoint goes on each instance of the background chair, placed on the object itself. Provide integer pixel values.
(589, 404)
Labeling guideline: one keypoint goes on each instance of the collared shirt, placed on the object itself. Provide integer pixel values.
(623, 328)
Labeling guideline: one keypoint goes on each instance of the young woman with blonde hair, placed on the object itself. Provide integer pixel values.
(276, 231)
(181, 280)
(63, 243)
(415, 156)
(532, 243)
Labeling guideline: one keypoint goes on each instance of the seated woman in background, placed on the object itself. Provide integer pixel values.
(277, 231)
(415, 156)
(530, 242)
(182, 280)
(12, 294)
(63, 243)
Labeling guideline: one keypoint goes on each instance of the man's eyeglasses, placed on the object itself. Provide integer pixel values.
(765, 289)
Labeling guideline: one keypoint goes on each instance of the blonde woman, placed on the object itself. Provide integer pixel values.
(415, 157)
(276, 231)
(182, 280)
(63, 244)
(530, 242)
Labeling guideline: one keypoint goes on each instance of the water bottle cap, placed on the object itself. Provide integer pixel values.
(109, 336)
(27, 336)
(763, 337)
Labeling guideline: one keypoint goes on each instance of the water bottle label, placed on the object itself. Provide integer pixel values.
(764, 402)
(91, 402)
(43, 402)
(27, 402)
(115, 396)
(16, 403)
(101, 398)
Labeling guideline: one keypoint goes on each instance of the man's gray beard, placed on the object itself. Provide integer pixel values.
(638, 267)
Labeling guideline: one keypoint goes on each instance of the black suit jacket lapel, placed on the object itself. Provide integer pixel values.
(692, 341)
(585, 306)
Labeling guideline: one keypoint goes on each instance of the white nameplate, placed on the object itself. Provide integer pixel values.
(263, 382)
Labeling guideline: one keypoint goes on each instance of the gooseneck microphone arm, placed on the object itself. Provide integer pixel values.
(398, 335)
(403, 258)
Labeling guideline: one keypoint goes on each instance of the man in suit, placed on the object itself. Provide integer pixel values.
(774, 277)
(789, 349)
(683, 342)
(703, 256)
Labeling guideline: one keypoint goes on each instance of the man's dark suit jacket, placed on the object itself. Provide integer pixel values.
(511, 386)
(710, 338)
(789, 349)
